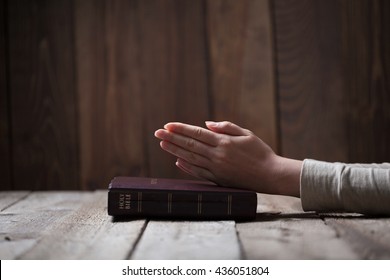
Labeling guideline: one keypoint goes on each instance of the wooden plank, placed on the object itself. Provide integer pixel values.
(24, 222)
(5, 164)
(241, 65)
(41, 81)
(188, 240)
(366, 48)
(111, 122)
(174, 72)
(226, 26)
(9, 198)
(368, 236)
(309, 79)
(257, 94)
(87, 233)
(283, 231)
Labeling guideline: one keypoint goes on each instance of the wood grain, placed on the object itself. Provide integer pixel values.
(111, 138)
(370, 237)
(283, 231)
(188, 240)
(75, 225)
(87, 233)
(41, 81)
(311, 102)
(174, 72)
(241, 65)
(258, 109)
(5, 163)
(226, 26)
(366, 48)
(24, 222)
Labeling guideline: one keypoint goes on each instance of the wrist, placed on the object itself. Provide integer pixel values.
(287, 176)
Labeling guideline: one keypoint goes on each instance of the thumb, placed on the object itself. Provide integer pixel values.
(226, 127)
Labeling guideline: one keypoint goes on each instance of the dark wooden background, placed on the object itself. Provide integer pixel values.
(84, 84)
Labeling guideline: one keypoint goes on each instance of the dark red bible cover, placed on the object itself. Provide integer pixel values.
(183, 199)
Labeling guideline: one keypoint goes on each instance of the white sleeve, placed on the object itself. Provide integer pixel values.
(330, 187)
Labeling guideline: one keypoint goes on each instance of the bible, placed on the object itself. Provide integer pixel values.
(178, 199)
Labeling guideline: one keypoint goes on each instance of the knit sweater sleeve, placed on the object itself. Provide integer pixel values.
(339, 187)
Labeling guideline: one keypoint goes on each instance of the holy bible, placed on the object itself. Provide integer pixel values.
(178, 199)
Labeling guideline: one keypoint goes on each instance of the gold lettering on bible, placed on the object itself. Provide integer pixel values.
(125, 201)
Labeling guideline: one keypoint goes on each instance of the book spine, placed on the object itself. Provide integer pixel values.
(196, 205)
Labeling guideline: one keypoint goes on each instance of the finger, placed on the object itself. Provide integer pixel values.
(196, 132)
(186, 143)
(195, 170)
(227, 128)
(189, 156)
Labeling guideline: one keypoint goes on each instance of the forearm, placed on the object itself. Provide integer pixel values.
(344, 187)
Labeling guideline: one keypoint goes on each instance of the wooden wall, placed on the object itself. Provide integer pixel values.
(84, 84)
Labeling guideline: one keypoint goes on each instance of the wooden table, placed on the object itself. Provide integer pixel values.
(75, 225)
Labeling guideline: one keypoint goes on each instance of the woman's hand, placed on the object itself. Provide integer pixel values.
(230, 156)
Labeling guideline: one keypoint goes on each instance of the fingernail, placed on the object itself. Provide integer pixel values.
(159, 133)
(161, 144)
(211, 123)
